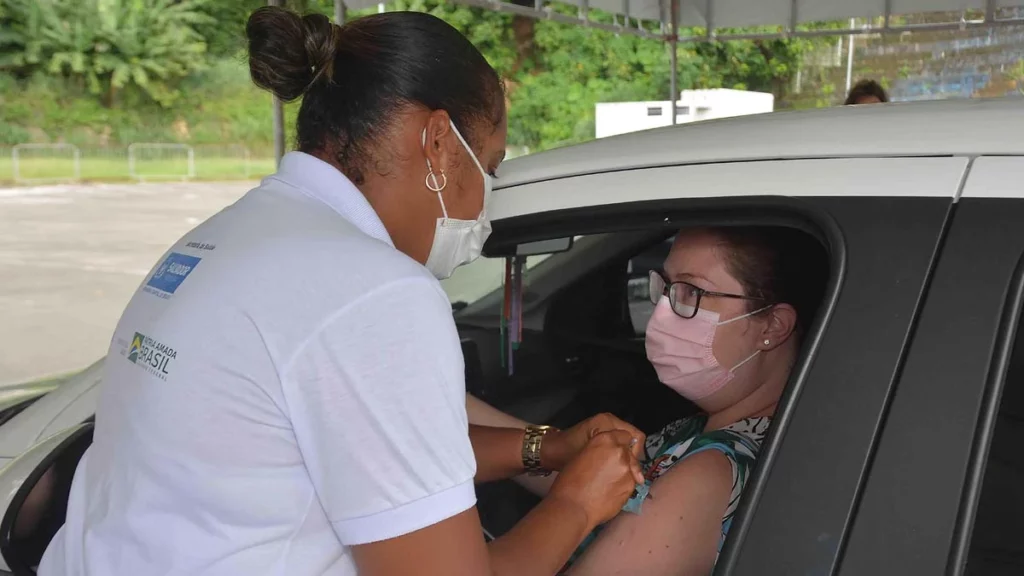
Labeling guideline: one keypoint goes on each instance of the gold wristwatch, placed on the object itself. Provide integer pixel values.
(531, 449)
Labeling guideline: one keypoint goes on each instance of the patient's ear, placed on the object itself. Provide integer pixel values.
(779, 328)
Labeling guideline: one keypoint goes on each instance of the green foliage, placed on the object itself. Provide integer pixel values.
(173, 70)
(219, 105)
(106, 45)
(552, 102)
(1017, 76)
(224, 27)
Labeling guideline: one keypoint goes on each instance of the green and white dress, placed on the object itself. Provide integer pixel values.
(739, 442)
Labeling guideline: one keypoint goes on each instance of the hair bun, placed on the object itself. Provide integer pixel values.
(288, 53)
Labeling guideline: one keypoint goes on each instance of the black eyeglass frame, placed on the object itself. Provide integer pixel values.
(670, 288)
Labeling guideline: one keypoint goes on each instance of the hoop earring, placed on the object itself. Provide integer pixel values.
(431, 181)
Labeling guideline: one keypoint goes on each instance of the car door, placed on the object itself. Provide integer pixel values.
(882, 220)
(924, 500)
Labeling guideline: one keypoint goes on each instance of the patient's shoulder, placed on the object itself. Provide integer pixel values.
(707, 473)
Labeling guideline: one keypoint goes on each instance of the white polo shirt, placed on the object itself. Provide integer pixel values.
(284, 384)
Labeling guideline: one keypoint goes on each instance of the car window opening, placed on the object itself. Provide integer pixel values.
(585, 349)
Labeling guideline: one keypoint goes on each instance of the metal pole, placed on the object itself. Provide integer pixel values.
(849, 60)
(339, 12)
(673, 42)
(278, 130)
(278, 115)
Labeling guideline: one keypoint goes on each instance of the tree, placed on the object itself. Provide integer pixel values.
(574, 67)
(554, 73)
(224, 27)
(1017, 75)
(107, 45)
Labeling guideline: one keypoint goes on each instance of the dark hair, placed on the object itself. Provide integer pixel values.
(355, 78)
(781, 265)
(866, 88)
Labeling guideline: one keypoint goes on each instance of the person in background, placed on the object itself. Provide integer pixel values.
(866, 92)
(731, 308)
(285, 393)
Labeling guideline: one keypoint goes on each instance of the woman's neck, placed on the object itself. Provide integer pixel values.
(763, 401)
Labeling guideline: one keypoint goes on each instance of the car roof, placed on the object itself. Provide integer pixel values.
(937, 128)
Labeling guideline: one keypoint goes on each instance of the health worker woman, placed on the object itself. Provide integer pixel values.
(284, 394)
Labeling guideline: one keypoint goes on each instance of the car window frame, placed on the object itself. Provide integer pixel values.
(922, 186)
(663, 218)
(1007, 333)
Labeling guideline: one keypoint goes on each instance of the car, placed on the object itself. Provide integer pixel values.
(895, 449)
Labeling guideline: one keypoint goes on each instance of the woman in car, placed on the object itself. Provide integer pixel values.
(732, 305)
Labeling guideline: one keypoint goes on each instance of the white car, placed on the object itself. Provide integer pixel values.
(896, 448)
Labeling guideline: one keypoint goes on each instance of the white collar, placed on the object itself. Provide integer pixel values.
(320, 180)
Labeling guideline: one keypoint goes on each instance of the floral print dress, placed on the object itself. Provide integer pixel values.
(739, 442)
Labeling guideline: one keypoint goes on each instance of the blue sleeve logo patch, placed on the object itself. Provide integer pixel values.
(172, 272)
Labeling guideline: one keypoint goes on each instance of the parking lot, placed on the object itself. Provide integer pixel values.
(72, 255)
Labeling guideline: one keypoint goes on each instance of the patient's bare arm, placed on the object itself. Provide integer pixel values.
(677, 532)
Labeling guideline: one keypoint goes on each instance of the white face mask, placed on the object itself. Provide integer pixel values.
(457, 242)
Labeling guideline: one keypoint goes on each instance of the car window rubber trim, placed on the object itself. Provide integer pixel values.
(995, 383)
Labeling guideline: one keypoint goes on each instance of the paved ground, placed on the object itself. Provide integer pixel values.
(72, 255)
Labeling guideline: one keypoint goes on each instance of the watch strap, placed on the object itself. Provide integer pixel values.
(532, 441)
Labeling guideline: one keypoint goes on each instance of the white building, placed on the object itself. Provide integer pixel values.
(620, 117)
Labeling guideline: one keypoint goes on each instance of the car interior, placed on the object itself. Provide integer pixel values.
(583, 354)
(38, 509)
(585, 311)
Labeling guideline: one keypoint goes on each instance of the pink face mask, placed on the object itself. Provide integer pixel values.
(681, 351)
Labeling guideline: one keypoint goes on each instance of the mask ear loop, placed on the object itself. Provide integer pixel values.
(747, 315)
(430, 181)
(432, 184)
(744, 361)
(756, 352)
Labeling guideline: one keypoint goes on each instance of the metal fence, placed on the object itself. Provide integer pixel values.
(61, 162)
(143, 161)
(161, 161)
(28, 164)
(6, 168)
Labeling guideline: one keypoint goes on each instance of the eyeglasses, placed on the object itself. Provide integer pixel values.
(685, 297)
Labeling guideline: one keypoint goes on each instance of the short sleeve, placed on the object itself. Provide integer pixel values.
(378, 403)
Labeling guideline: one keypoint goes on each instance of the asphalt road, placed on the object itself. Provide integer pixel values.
(72, 255)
